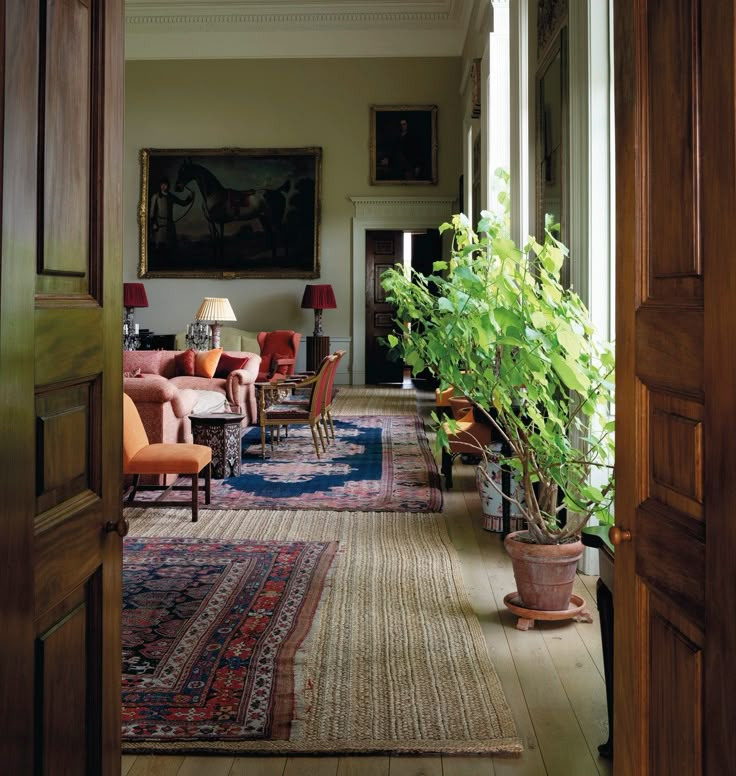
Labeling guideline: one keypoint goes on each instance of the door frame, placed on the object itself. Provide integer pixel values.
(389, 213)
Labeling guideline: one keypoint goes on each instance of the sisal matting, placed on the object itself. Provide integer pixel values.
(374, 400)
(395, 661)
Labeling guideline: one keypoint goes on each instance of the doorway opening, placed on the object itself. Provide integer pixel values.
(413, 249)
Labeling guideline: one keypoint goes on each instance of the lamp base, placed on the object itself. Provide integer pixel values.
(215, 334)
(317, 348)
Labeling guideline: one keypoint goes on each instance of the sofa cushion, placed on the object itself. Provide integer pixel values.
(209, 401)
(148, 361)
(185, 362)
(228, 363)
(205, 362)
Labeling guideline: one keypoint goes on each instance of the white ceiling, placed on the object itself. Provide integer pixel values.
(224, 29)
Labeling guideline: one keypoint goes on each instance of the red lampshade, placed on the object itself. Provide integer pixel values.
(319, 297)
(134, 295)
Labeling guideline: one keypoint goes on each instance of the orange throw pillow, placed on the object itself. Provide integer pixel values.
(184, 363)
(205, 362)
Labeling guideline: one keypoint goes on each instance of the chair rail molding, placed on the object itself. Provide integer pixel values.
(385, 213)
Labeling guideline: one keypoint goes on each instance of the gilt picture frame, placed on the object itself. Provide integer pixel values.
(230, 213)
(403, 145)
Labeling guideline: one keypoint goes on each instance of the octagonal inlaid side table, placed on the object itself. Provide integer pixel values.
(220, 431)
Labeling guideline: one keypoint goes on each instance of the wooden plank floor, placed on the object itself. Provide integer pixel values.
(552, 676)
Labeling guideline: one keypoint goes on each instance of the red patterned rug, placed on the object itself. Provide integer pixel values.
(210, 634)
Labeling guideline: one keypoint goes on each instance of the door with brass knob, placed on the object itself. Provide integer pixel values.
(60, 385)
(618, 535)
(675, 638)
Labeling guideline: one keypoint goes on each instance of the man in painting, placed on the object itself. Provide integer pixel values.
(161, 215)
(405, 159)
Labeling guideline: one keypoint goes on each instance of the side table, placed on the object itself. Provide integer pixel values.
(220, 431)
(317, 348)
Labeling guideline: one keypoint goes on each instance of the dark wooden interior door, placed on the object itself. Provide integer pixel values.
(383, 250)
(60, 386)
(675, 586)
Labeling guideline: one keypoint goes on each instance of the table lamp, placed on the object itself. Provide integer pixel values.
(134, 295)
(215, 309)
(318, 297)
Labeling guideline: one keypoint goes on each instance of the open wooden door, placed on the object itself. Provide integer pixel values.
(60, 386)
(675, 633)
(383, 249)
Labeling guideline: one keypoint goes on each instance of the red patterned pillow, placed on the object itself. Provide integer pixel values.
(184, 363)
(228, 363)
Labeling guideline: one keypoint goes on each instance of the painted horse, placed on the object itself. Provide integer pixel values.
(221, 205)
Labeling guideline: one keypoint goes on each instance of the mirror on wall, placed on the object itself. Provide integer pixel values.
(551, 172)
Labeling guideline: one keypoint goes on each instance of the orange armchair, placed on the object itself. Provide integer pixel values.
(140, 457)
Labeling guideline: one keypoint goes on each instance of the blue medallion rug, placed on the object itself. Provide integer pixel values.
(376, 464)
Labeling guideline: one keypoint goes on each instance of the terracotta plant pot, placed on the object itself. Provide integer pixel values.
(544, 573)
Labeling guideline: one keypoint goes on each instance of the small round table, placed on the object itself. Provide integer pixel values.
(220, 431)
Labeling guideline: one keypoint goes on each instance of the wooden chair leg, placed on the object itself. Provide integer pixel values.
(316, 441)
(263, 440)
(136, 480)
(207, 483)
(195, 497)
(321, 436)
(332, 425)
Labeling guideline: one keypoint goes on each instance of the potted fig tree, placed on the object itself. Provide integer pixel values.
(495, 323)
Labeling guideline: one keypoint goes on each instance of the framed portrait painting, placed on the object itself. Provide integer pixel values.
(403, 144)
(229, 212)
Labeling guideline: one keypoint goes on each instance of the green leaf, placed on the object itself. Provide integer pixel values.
(393, 340)
(571, 342)
(569, 376)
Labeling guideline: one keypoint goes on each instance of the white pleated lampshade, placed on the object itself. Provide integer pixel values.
(215, 309)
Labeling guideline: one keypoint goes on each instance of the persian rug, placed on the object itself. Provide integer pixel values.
(211, 630)
(376, 463)
(396, 661)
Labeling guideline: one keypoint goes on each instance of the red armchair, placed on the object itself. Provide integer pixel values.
(278, 353)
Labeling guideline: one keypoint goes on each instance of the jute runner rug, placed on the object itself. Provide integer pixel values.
(395, 660)
(374, 400)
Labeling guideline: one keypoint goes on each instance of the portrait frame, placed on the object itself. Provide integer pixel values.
(230, 213)
(403, 145)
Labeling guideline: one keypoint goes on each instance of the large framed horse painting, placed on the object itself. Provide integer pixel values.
(230, 212)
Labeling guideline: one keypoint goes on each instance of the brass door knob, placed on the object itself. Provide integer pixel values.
(618, 535)
(121, 527)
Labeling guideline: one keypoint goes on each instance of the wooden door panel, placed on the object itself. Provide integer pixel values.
(62, 688)
(669, 348)
(64, 155)
(675, 453)
(384, 250)
(676, 380)
(676, 677)
(670, 59)
(60, 402)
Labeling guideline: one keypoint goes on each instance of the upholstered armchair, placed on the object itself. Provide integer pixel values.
(278, 353)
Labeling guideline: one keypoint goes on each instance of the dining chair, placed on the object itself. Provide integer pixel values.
(141, 457)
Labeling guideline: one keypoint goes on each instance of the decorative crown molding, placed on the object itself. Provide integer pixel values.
(176, 29)
(440, 12)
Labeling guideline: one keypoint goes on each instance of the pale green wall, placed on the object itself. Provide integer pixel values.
(280, 103)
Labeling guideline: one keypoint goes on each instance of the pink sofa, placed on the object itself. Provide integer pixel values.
(165, 401)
